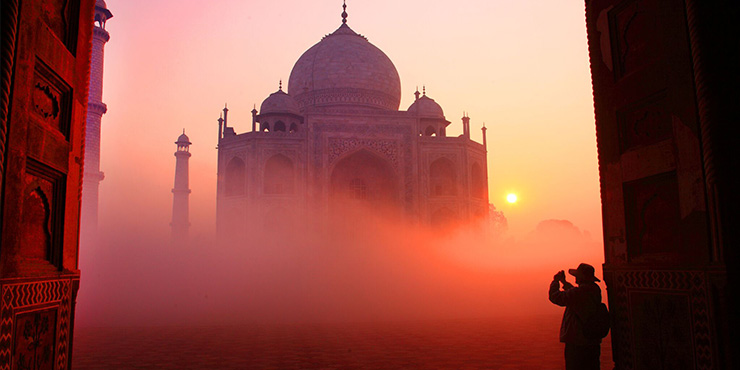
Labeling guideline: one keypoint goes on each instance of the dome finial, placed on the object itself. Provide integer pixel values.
(344, 12)
(280, 85)
(424, 90)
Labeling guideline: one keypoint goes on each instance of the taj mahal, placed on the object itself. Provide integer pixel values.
(336, 136)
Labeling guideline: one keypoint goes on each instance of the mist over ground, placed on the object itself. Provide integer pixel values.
(354, 267)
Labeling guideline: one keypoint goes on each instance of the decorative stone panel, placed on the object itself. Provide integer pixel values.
(660, 319)
(51, 99)
(386, 148)
(35, 321)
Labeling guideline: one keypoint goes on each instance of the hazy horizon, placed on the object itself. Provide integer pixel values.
(522, 68)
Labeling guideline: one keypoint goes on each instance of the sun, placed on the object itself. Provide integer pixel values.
(511, 198)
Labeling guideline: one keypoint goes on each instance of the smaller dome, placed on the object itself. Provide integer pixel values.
(426, 107)
(279, 102)
(183, 139)
(101, 7)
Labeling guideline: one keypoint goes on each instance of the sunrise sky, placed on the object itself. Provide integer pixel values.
(519, 66)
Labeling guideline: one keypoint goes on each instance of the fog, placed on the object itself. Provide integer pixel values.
(355, 266)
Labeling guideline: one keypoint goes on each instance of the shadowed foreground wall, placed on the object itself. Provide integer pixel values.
(665, 95)
(45, 68)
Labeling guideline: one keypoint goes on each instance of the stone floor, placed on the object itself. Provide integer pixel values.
(520, 343)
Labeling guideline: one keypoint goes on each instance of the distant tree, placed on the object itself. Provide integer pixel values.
(497, 220)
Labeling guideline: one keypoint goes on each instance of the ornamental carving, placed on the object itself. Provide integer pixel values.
(387, 148)
(34, 337)
(46, 102)
(652, 215)
(645, 122)
(268, 153)
(41, 338)
(42, 223)
(668, 310)
(350, 96)
(51, 98)
(637, 35)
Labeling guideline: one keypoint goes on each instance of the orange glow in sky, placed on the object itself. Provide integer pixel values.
(520, 66)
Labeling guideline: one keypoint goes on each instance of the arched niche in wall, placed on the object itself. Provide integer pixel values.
(235, 177)
(477, 182)
(279, 126)
(364, 176)
(279, 175)
(442, 178)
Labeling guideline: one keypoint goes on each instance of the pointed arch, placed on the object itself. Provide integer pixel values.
(364, 176)
(279, 126)
(477, 182)
(35, 228)
(430, 131)
(442, 178)
(235, 177)
(279, 175)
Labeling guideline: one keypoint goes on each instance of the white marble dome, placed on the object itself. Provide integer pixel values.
(279, 102)
(426, 107)
(345, 69)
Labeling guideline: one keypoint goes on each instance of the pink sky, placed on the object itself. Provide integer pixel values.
(519, 66)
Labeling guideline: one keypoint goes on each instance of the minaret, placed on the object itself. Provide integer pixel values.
(95, 110)
(466, 125)
(181, 192)
(483, 130)
(254, 118)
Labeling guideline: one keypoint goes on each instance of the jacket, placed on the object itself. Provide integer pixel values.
(579, 302)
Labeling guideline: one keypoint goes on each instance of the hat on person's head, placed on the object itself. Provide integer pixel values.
(585, 272)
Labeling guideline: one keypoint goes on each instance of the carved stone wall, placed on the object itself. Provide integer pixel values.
(670, 282)
(36, 321)
(673, 312)
(46, 55)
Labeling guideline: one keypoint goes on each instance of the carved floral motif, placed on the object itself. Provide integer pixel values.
(45, 102)
(387, 148)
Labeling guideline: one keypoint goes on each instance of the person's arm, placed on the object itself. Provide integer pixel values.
(557, 296)
(555, 293)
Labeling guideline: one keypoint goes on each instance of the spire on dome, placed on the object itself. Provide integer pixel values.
(344, 12)
(280, 85)
(424, 90)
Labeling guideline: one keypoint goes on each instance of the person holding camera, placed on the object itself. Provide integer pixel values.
(582, 349)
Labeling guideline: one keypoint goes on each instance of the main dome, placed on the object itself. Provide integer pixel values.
(345, 69)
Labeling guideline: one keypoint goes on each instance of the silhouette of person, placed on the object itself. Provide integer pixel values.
(581, 352)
